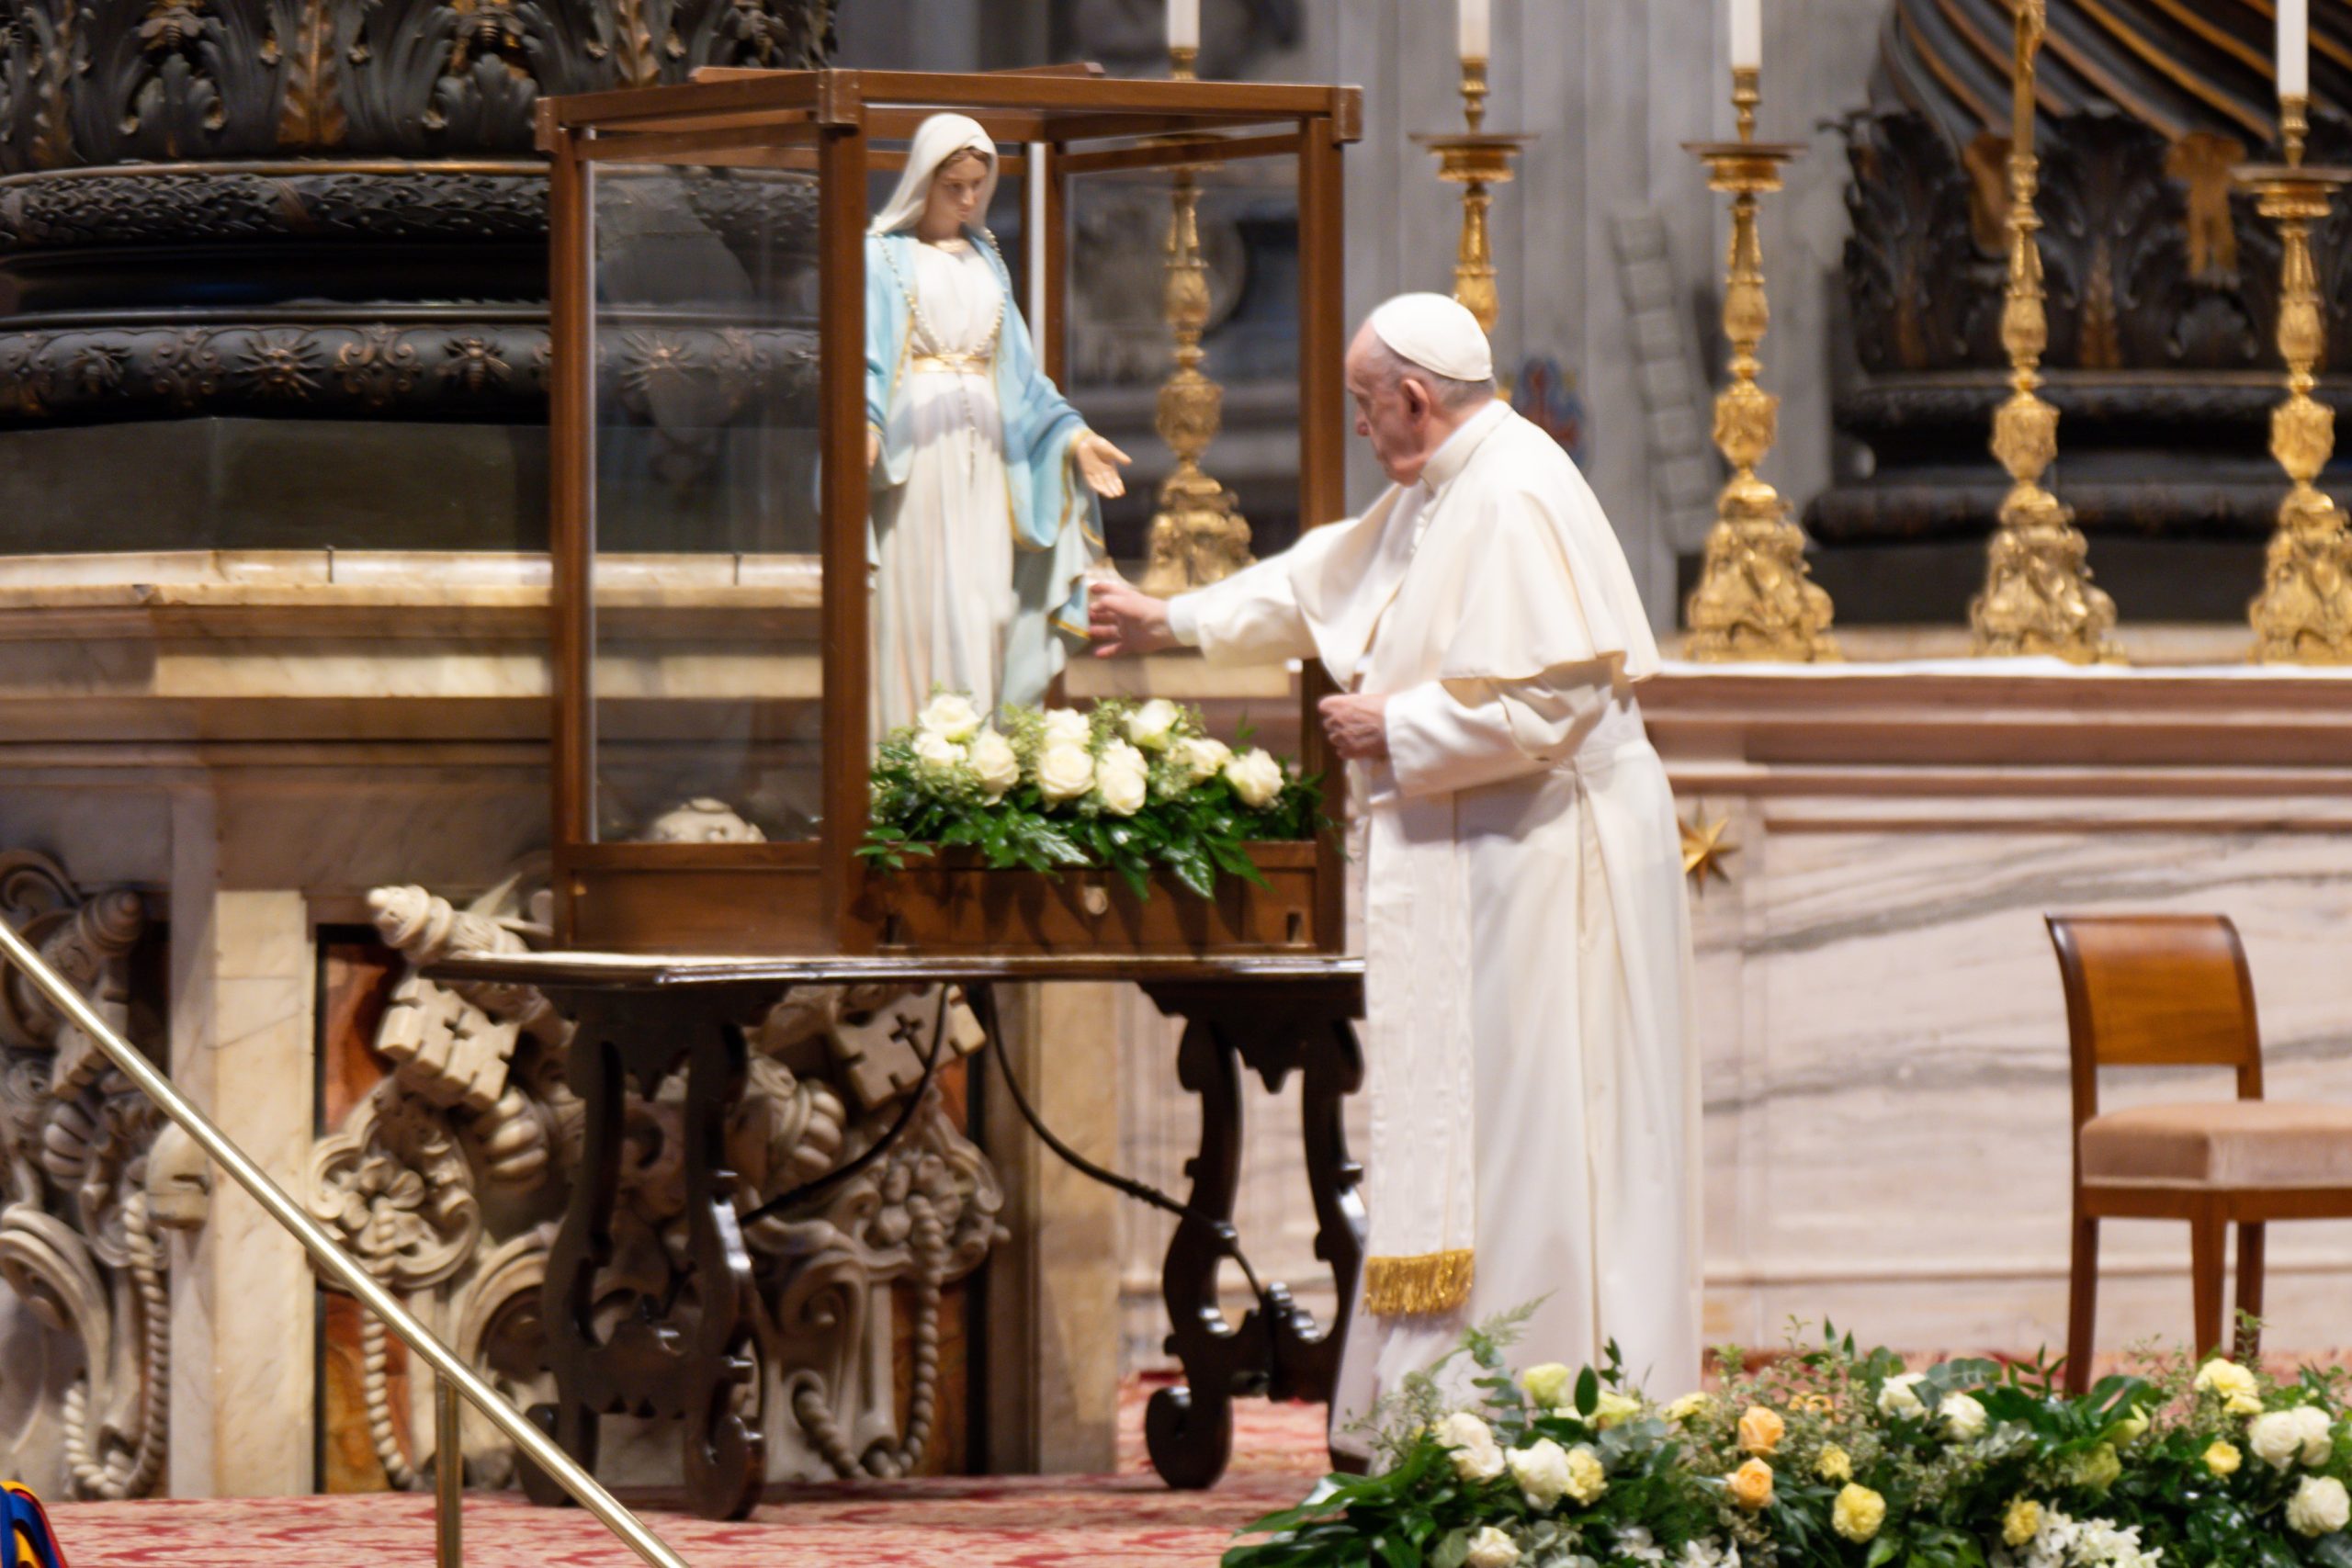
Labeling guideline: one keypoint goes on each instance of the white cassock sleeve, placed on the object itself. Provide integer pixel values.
(1454, 735)
(1251, 617)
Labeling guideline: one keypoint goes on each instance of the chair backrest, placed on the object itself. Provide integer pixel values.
(2155, 990)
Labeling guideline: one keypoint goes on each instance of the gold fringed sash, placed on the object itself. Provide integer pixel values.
(1429, 1281)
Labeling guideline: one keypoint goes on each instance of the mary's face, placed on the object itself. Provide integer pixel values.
(956, 192)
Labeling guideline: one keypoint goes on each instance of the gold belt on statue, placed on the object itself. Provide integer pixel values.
(951, 363)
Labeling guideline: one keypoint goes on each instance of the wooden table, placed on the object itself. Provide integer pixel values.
(636, 1017)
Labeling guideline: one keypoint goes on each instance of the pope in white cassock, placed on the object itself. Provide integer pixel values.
(1527, 946)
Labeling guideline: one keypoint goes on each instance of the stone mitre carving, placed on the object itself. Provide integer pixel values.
(77, 1225)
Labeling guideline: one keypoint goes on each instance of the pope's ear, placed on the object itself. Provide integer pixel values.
(1418, 404)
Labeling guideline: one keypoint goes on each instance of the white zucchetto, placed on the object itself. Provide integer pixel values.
(1436, 334)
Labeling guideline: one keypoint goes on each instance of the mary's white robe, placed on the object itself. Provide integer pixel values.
(1534, 1098)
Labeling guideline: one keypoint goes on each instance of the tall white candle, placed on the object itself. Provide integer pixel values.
(1183, 24)
(1747, 34)
(2294, 49)
(1476, 28)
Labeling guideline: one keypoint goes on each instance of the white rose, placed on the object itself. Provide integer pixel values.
(1963, 1418)
(934, 750)
(1476, 1455)
(1065, 772)
(1896, 1396)
(2318, 1433)
(994, 764)
(1203, 758)
(2319, 1506)
(1067, 727)
(1542, 1472)
(1491, 1548)
(1150, 725)
(2275, 1439)
(2284, 1436)
(950, 716)
(1122, 776)
(1255, 777)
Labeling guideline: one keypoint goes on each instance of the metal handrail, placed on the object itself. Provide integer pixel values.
(353, 1275)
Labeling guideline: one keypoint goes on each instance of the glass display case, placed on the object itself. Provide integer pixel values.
(714, 651)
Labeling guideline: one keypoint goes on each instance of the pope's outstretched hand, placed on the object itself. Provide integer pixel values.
(1123, 619)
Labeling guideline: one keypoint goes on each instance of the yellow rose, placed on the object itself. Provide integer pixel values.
(1751, 1486)
(1812, 1404)
(2021, 1523)
(2128, 1431)
(2224, 1459)
(1760, 1430)
(1833, 1464)
(1548, 1384)
(1586, 1479)
(1687, 1406)
(2234, 1386)
(1614, 1408)
(1858, 1512)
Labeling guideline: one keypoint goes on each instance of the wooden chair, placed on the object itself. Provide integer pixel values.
(2173, 991)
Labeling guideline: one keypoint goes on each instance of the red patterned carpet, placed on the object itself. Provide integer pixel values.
(981, 1522)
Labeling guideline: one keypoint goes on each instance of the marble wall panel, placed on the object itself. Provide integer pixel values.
(1900, 1095)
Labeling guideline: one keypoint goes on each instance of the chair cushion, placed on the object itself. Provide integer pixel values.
(2222, 1142)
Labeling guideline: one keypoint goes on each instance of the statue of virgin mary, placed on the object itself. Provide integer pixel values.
(985, 511)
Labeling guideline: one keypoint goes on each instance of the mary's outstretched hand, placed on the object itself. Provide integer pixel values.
(1098, 464)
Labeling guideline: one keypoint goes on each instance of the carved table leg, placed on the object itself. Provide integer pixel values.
(657, 1360)
(1277, 1351)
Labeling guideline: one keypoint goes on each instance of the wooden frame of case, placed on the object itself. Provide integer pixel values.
(819, 896)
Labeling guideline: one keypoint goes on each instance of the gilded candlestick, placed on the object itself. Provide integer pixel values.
(1754, 599)
(2303, 613)
(1475, 159)
(2038, 597)
(1198, 535)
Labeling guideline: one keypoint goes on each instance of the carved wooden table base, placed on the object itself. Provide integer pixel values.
(659, 1359)
(1277, 1352)
(679, 1351)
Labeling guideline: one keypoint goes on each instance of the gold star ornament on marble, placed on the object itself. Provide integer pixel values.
(1706, 847)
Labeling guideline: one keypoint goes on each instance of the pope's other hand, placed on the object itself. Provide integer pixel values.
(1098, 462)
(1357, 724)
(1122, 618)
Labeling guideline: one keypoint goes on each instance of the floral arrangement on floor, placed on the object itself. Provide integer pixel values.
(1131, 787)
(1831, 1456)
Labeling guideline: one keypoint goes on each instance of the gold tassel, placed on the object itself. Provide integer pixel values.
(1431, 1281)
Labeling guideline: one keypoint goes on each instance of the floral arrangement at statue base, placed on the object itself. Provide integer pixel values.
(1136, 788)
(1842, 1459)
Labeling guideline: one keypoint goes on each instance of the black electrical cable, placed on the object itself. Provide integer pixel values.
(1228, 1239)
(793, 1197)
(984, 1003)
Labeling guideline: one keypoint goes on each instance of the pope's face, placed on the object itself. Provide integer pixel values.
(954, 196)
(1395, 414)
